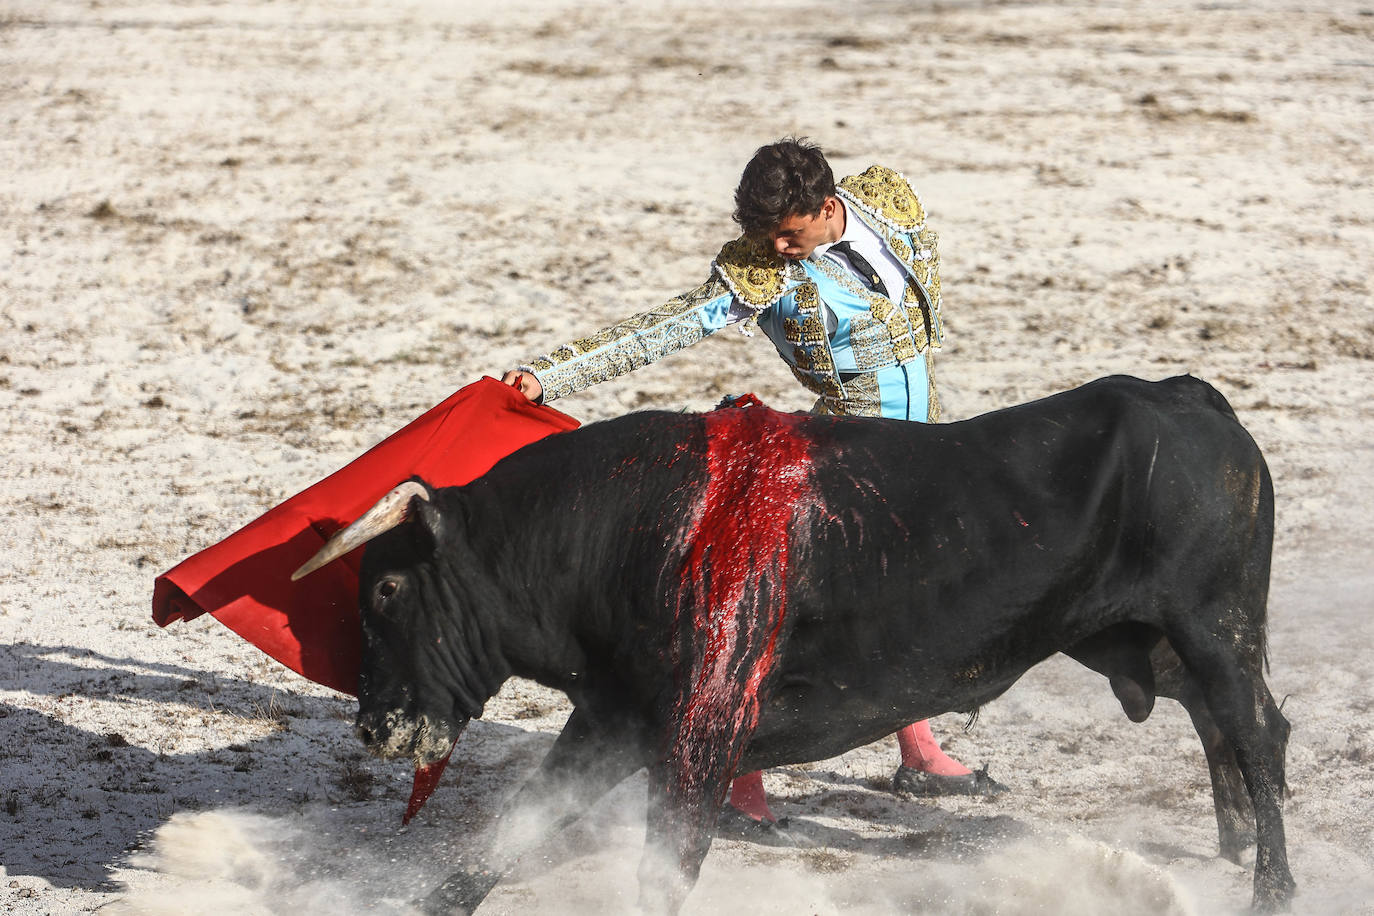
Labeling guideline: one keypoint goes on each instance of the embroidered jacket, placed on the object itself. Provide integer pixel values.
(872, 333)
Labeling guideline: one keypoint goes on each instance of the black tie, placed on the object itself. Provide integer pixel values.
(860, 264)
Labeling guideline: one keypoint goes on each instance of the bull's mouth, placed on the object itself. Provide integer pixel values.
(425, 739)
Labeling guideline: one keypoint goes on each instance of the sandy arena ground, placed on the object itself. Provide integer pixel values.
(244, 241)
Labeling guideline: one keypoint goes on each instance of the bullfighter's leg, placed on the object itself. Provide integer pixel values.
(926, 770)
(748, 797)
(920, 751)
(1232, 685)
(586, 762)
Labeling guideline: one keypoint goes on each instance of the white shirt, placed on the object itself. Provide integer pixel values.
(866, 242)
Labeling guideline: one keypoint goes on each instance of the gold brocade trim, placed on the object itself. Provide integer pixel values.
(861, 398)
(920, 334)
(933, 409)
(871, 344)
(808, 299)
(809, 332)
(827, 386)
(810, 342)
(753, 272)
(901, 249)
(885, 195)
(929, 260)
(889, 204)
(814, 359)
(624, 347)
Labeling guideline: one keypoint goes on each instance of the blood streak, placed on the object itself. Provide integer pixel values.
(734, 592)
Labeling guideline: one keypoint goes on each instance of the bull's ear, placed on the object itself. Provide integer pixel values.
(428, 522)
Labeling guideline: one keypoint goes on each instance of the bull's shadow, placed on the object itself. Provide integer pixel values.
(74, 802)
(917, 830)
(912, 827)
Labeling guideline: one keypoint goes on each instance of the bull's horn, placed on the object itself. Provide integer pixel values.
(389, 512)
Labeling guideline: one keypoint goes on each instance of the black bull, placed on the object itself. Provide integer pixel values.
(731, 591)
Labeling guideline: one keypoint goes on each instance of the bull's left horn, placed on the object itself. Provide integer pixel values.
(389, 512)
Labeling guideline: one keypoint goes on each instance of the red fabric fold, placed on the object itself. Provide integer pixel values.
(311, 626)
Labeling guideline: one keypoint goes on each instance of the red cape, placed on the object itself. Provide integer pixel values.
(311, 626)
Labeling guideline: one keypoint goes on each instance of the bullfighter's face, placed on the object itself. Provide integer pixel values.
(799, 234)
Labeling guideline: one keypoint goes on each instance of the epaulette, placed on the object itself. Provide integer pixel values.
(753, 272)
(886, 196)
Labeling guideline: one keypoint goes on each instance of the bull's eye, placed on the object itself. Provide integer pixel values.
(386, 588)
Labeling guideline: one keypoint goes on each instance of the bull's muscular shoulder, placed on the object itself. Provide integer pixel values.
(753, 272)
(886, 196)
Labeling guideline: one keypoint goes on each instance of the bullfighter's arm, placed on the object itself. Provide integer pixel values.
(637, 341)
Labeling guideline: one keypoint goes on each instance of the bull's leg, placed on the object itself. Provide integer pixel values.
(1230, 798)
(682, 812)
(1241, 706)
(689, 782)
(586, 762)
(1141, 664)
(708, 731)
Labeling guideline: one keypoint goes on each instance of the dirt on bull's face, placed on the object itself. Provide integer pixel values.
(395, 734)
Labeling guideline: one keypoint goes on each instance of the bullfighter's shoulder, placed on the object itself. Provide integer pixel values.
(887, 196)
(754, 273)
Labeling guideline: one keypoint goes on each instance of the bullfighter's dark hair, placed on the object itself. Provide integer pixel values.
(786, 178)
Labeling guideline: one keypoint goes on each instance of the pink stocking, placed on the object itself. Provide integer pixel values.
(920, 751)
(747, 795)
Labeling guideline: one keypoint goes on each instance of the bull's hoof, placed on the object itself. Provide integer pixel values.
(1273, 893)
(460, 894)
(919, 784)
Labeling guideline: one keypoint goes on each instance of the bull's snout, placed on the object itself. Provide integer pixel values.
(367, 734)
(375, 733)
(397, 734)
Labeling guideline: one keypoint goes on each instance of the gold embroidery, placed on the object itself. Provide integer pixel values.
(885, 195)
(871, 343)
(824, 385)
(861, 398)
(890, 205)
(915, 306)
(880, 307)
(753, 272)
(903, 346)
(631, 344)
(810, 331)
(904, 340)
(929, 258)
(810, 342)
(933, 409)
(821, 361)
(900, 248)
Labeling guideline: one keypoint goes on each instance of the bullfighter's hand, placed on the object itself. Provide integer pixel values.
(527, 384)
